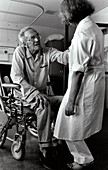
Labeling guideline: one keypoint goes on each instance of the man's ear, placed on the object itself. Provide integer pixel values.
(22, 44)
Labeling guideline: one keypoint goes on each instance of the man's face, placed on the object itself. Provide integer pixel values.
(33, 41)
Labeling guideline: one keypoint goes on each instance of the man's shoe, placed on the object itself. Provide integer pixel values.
(64, 154)
(47, 160)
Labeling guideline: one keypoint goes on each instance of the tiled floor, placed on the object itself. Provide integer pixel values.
(98, 145)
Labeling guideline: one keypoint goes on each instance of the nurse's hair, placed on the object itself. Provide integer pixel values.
(77, 10)
(21, 35)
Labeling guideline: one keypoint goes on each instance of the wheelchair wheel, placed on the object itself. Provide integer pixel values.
(33, 131)
(2, 108)
(3, 138)
(32, 128)
(18, 150)
(3, 120)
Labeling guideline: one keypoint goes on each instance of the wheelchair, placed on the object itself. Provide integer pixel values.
(14, 114)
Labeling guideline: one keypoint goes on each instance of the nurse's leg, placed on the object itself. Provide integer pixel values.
(80, 152)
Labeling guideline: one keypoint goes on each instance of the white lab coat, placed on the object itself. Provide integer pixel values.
(86, 55)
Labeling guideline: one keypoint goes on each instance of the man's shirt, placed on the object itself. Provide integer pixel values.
(32, 73)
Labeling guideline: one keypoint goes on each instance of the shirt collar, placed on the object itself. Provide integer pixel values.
(28, 54)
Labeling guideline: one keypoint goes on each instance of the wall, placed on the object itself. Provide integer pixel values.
(106, 65)
(106, 40)
(106, 51)
(9, 40)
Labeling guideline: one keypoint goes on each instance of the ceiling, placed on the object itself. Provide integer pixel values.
(45, 14)
(17, 11)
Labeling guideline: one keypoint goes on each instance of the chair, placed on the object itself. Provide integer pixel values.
(13, 113)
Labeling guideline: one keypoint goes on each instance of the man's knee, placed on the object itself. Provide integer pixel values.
(55, 103)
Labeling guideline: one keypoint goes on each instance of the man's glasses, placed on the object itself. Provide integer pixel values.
(33, 38)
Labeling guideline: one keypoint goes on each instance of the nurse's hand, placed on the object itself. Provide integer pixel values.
(69, 110)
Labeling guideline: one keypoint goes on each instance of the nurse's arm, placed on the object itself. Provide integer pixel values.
(75, 86)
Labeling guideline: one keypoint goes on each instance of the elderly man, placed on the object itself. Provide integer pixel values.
(30, 66)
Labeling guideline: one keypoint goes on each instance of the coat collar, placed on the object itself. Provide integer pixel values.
(87, 20)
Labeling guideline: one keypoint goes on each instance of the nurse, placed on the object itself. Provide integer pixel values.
(81, 111)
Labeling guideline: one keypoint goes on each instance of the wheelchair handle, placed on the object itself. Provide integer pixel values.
(11, 85)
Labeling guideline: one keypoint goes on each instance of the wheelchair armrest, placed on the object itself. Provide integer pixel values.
(11, 85)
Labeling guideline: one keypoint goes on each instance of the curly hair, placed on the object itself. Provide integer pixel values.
(21, 35)
(77, 10)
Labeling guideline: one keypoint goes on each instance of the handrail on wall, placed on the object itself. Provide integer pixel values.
(32, 3)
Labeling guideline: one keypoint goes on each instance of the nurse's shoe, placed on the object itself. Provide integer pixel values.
(76, 166)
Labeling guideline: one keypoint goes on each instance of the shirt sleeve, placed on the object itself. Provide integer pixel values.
(80, 52)
(17, 75)
(17, 68)
(59, 56)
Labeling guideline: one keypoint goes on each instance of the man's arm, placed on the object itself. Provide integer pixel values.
(59, 56)
(29, 92)
(18, 76)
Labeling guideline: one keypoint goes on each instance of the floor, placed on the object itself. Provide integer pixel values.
(98, 145)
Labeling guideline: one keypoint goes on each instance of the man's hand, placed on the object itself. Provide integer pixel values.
(69, 110)
(42, 100)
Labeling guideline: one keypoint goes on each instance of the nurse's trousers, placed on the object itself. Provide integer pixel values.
(80, 152)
